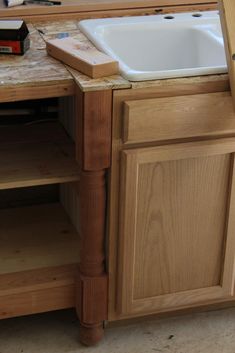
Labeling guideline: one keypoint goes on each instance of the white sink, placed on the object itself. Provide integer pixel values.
(161, 46)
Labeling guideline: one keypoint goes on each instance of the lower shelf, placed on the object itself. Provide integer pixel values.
(39, 255)
(37, 291)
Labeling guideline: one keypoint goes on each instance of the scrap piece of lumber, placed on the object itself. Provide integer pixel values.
(227, 15)
(82, 57)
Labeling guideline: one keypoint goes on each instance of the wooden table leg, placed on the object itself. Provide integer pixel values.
(92, 299)
(93, 155)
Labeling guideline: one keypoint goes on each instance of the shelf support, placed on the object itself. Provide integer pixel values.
(93, 152)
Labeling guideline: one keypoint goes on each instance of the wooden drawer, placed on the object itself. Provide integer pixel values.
(168, 118)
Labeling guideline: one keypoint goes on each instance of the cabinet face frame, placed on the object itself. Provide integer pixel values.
(131, 161)
(227, 13)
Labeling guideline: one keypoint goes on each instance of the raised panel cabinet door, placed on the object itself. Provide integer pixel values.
(177, 226)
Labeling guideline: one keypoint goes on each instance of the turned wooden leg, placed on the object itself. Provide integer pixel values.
(92, 283)
(93, 148)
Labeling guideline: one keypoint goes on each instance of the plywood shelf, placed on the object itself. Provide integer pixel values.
(39, 256)
(36, 237)
(36, 155)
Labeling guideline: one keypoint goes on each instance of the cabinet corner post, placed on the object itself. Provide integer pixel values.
(93, 153)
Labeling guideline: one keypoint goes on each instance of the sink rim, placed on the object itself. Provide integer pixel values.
(93, 27)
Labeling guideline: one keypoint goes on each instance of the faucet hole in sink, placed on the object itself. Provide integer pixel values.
(169, 17)
(197, 15)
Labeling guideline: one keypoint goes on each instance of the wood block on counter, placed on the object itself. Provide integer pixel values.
(82, 57)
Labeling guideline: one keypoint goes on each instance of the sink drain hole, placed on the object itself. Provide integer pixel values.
(169, 17)
(197, 15)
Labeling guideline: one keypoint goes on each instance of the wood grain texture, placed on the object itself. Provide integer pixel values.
(40, 236)
(34, 75)
(142, 11)
(35, 291)
(32, 156)
(40, 76)
(190, 185)
(94, 129)
(227, 13)
(81, 57)
(13, 93)
(180, 219)
(178, 117)
(70, 6)
(92, 298)
(92, 198)
(86, 203)
(170, 89)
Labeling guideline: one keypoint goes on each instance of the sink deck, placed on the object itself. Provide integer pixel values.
(36, 75)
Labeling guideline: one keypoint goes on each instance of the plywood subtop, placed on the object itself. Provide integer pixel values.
(36, 75)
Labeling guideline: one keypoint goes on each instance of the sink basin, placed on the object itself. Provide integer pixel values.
(161, 46)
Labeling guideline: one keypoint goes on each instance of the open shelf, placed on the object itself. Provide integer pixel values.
(36, 154)
(39, 256)
(36, 237)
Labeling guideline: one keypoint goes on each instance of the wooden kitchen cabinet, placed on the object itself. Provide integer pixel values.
(177, 223)
(172, 198)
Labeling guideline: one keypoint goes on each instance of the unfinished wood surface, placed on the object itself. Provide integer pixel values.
(178, 117)
(93, 146)
(19, 92)
(35, 291)
(30, 164)
(40, 236)
(34, 156)
(142, 11)
(86, 84)
(173, 225)
(92, 286)
(69, 6)
(82, 57)
(94, 115)
(42, 77)
(115, 82)
(50, 31)
(34, 75)
(227, 14)
(69, 191)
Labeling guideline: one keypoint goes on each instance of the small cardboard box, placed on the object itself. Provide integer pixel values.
(14, 37)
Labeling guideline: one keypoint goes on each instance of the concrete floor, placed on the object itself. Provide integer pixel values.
(57, 332)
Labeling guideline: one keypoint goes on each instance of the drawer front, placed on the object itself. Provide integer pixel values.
(178, 117)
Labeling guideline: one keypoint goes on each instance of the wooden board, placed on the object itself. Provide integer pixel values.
(37, 237)
(227, 14)
(36, 155)
(84, 58)
(69, 6)
(36, 291)
(118, 12)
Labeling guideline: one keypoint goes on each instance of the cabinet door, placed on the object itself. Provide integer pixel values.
(177, 226)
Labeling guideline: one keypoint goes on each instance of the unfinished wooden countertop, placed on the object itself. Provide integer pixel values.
(37, 75)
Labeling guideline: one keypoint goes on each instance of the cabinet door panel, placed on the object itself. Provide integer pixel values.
(176, 240)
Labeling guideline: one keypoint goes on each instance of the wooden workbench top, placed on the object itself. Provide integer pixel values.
(37, 75)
